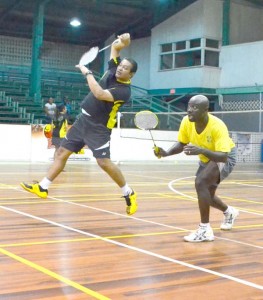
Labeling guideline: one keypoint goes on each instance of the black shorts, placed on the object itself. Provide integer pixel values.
(56, 141)
(85, 132)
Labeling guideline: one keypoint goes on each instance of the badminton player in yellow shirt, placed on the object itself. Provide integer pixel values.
(207, 136)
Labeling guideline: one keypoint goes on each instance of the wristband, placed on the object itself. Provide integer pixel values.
(88, 73)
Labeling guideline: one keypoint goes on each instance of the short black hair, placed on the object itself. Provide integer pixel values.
(134, 64)
(60, 107)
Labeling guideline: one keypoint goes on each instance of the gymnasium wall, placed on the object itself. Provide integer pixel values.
(28, 143)
(241, 65)
(246, 22)
(17, 51)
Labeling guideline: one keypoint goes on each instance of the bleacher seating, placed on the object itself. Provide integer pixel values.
(15, 86)
(10, 112)
(15, 83)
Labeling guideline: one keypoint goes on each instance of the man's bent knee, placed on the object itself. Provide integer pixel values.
(104, 162)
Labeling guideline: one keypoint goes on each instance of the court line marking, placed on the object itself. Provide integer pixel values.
(140, 219)
(116, 237)
(150, 253)
(88, 239)
(54, 275)
(194, 198)
(253, 185)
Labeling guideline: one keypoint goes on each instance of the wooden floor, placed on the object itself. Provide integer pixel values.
(79, 243)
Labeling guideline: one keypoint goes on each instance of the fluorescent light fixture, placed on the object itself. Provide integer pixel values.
(75, 22)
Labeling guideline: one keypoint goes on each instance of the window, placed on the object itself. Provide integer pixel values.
(190, 53)
(188, 59)
(166, 62)
(195, 43)
(166, 47)
(209, 43)
(180, 45)
(211, 58)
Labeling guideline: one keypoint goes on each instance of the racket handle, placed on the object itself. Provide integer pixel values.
(157, 151)
(108, 46)
(105, 48)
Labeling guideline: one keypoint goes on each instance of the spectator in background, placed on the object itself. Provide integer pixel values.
(68, 106)
(60, 126)
(50, 110)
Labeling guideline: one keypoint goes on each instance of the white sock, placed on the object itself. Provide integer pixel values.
(45, 183)
(228, 210)
(126, 190)
(206, 225)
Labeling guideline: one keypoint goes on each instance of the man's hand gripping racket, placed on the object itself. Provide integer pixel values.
(147, 120)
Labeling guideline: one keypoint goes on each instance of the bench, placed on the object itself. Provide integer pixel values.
(4, 108)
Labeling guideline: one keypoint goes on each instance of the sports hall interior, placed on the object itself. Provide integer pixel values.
(79, 243)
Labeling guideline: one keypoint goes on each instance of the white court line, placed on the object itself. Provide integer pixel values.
(144, 220)
(190, 197)
(254, 185)
(150, 253)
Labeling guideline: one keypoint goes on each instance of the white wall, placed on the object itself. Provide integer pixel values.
(16, 142)
(137, 145)
(212, 18)
(141, 53)
(134, 145)
(242, 65)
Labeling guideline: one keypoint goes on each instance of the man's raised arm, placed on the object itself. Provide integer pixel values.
(121, 42)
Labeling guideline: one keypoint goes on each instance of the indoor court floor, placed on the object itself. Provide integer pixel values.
(79, 243)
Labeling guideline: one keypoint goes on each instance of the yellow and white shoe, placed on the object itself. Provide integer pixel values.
(131, 203)
(35, 188)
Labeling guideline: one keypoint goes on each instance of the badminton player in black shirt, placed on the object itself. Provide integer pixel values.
(93, 127)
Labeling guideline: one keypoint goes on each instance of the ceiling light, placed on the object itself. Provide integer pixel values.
(75, 22)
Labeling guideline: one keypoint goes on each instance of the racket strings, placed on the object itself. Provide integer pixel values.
(89, 56)
(146, 121)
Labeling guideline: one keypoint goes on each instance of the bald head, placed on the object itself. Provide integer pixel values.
(197, 109)
(200, 100)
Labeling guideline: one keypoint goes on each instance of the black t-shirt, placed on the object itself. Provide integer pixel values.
(60, 126)
(104, 112)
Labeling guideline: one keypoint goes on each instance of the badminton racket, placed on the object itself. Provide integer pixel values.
(147, 120)
(91, 54)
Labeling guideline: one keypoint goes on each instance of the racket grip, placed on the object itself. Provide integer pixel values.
(157, 151)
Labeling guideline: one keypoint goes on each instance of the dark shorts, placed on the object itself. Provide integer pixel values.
(56, 141)
(85, 132)
(224, 168)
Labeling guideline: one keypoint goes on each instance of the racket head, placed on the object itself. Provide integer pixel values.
(146, 120)
(89, 56)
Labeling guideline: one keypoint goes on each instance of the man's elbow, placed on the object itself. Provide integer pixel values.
(99, 96)
(223, 158)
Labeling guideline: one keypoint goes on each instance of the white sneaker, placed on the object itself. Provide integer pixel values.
(229, 219)
(202, 234)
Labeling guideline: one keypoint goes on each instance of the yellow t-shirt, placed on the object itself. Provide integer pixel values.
(215, 136)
